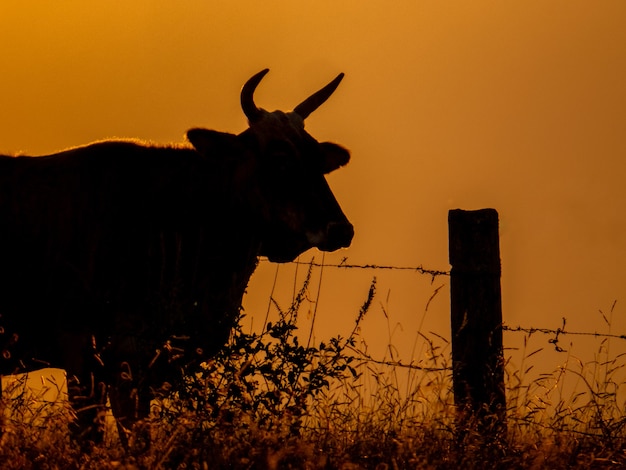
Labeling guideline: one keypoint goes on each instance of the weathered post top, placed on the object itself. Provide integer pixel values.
(473, 243)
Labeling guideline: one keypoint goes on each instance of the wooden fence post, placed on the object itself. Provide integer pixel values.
(476, 311)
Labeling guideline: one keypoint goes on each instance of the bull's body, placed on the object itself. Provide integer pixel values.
(109, 251)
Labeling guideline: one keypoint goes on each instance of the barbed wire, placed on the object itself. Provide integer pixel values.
(530, 330)
(364, 357)
(559, 332)
(345, 265)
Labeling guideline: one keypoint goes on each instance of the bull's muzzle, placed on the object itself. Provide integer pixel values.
(338, 235)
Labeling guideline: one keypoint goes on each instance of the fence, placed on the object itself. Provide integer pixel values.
(476, 318)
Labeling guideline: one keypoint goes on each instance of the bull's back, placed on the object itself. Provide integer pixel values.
(79, 227)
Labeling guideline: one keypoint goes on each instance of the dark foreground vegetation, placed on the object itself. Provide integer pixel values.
(270, 402)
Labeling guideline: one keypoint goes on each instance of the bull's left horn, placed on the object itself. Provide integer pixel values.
(247, 96)
(317, 99)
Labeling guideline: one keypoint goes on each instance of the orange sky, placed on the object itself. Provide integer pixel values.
(517, 105)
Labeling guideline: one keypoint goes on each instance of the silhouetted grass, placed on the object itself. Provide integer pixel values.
(269, 402)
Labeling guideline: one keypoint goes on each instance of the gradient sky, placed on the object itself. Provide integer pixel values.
(517, 105)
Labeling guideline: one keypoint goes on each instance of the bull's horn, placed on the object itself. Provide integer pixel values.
(247, 96)
(317, 99)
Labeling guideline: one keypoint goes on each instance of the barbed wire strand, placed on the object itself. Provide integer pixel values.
(560, 331)
(344, 265)
(364, 357)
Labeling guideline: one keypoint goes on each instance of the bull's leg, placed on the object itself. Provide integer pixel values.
(87, 389)
(88, 397)
(123, 396)
(129, 404)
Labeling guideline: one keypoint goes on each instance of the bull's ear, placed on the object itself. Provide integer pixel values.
(212, 143)
(335, 156)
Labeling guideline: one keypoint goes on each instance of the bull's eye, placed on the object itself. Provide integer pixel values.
(282, 157)
(283, 164)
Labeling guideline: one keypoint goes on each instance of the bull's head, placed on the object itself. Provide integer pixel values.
(281, 170)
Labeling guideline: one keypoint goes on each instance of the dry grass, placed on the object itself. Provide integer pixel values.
(269, 403)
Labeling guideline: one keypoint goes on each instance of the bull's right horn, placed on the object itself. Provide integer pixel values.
(317, 99)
